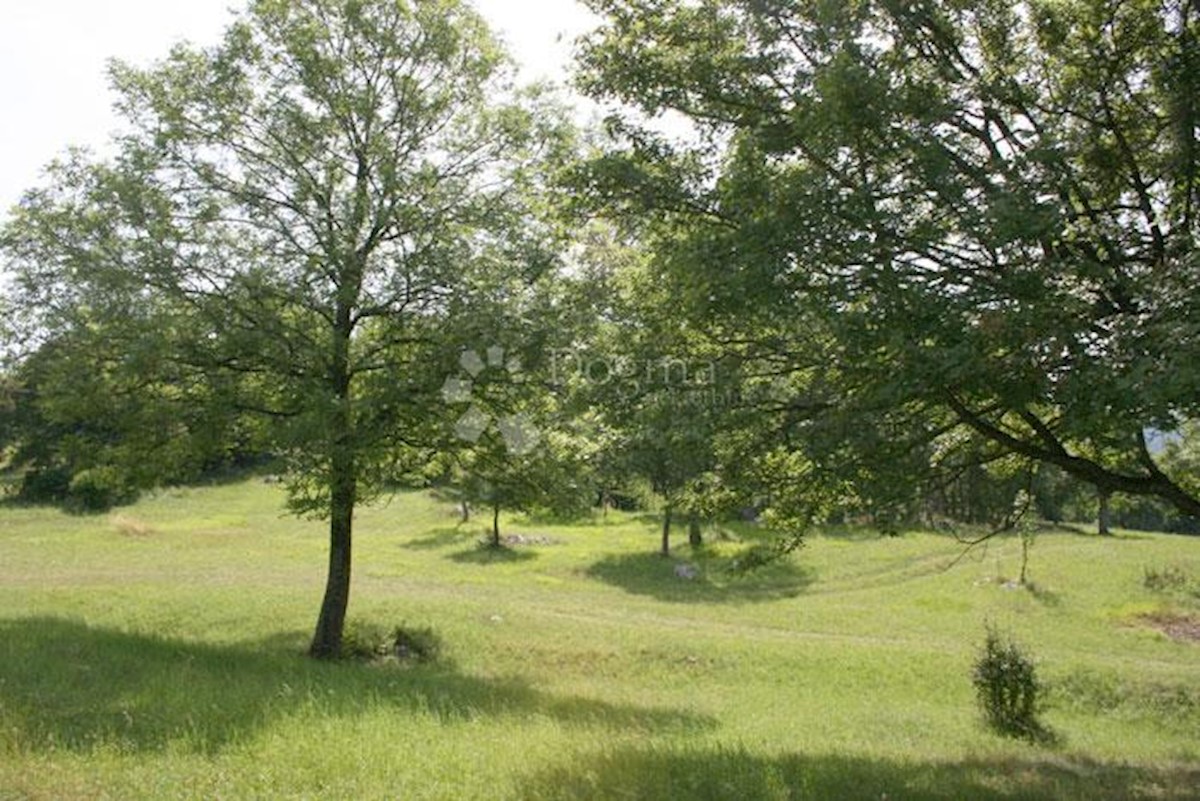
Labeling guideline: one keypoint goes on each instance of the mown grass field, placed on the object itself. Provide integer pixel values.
(156, 652)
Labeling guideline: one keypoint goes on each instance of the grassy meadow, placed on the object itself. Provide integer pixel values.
(157, 652)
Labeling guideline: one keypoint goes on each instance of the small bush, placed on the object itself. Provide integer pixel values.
(416, 644)
(364, 641)
(100, 488)
(372, 642)
(1008, 689)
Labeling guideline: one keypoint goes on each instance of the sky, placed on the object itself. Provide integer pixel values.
(53, 54)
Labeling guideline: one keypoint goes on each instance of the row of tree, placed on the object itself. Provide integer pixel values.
(910, 260)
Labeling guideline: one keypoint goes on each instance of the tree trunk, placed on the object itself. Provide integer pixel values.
(465, 511)
(666, 531)
(1026, 544)
(327, 640)
(695, 538)
(1105, 513)
(343, 491)
(496, 526)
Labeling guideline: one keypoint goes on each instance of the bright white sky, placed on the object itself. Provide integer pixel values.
(54, 93)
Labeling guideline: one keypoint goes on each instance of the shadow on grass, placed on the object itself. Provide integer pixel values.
(734, 774)
(651, 574)
(66, 685)
(966, 535)
(440, 538)
(1089, 532)
(1043, 594)
(484, 553)
(66, 507)
(851, 533)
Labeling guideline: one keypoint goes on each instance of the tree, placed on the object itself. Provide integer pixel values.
(506, 445)
(492, 475)
(663, 444)
(634, 375)
(934, 216)
(309, 205)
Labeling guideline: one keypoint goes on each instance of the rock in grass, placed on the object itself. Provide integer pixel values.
(686, 572)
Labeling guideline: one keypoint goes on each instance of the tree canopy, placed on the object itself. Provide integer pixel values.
(952, 226)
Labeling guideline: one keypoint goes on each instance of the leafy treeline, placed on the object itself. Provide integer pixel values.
(951, 233)
(909, 261)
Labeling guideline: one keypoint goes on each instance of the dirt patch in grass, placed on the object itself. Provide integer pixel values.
(1183, 628)
(131, 526)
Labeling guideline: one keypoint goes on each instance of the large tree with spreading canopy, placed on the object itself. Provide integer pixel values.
(310, 207)
(946, 227)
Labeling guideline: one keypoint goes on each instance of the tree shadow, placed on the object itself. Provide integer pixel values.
(484, 553)
(1043, 594)
(63, 506)
(1063, 527)
(440, 538)
(1088, 531)
(851, 533)
(634, 773)
(66, 685)
(714, 578)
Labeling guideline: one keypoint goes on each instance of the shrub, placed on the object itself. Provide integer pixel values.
(1007, 687)
(100, 488)
(372, 642)
(364, 641)
(416, 644)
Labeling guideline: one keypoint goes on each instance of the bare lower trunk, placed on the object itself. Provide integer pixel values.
(695, 538)
(1026, 543)
(464, 509)
(496, 526)
(1105, 514)
(666, 531)
(327, 640)
(343, 493)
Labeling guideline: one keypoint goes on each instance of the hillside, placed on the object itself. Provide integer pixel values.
(156, 652)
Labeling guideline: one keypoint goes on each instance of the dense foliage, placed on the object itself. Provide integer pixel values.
(953, 233)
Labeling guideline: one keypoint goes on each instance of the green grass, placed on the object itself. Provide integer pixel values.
(157, 653)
